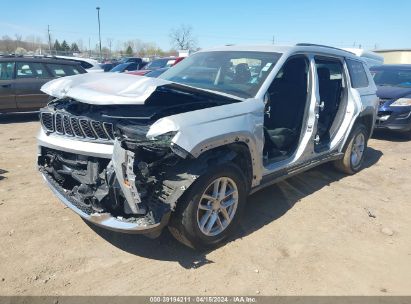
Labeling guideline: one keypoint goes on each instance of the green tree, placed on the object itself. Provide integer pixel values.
(129, 51)
(57, 46)
(74, 48)
(65, 47)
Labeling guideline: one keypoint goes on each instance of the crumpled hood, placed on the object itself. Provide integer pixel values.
(104, 88)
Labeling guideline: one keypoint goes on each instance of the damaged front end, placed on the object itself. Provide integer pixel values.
(135, 188)
(127, 193)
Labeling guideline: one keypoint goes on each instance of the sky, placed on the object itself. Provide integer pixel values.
(342, 23)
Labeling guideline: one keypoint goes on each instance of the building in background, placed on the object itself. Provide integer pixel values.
(395, 56)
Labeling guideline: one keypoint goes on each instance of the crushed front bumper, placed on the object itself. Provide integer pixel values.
(142, 225)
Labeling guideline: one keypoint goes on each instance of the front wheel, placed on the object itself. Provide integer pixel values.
(210, 210)
(354, 152)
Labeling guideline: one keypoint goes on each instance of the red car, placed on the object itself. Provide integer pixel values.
(157, 64)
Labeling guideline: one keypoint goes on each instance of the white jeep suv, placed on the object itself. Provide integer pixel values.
(136, 154)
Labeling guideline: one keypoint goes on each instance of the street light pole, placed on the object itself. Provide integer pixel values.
(99, 32)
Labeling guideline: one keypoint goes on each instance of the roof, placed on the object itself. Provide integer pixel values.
(392, 50)
(303, 47)
(38, 59)
(393, 67)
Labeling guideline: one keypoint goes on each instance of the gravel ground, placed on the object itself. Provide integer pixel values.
(319, 233)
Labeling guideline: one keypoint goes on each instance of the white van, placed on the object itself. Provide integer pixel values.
(370, 57)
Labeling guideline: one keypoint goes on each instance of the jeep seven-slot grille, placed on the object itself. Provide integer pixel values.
(74, 126)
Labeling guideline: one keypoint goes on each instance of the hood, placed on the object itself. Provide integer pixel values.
(391, 92)
(104, 89)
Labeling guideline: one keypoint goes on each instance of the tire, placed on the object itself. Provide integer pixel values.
(352, 161)
(186, 222)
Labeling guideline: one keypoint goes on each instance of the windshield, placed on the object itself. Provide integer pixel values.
(390, 77)
(159, 63)
(232, 72)
(125, 67)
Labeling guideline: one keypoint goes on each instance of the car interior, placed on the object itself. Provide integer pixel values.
(286, 102)
(332, 94)
(285, 106)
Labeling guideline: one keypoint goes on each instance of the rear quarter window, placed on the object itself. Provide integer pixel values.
(358, 75)
(61, 70)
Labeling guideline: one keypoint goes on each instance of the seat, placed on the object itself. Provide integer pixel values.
(330, 91)
(287, 103)
(242, 74)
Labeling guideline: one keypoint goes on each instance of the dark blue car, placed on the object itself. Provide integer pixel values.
(394, 92)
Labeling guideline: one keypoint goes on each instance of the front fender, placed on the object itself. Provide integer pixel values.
(201, 130)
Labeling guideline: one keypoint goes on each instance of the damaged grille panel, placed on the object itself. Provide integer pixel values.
(79, 127)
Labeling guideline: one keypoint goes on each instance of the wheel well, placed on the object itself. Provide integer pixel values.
(368, 121)
(239, 155)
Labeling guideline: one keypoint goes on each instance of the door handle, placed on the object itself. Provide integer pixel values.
(6, 85)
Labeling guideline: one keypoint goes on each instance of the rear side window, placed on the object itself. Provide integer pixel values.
(85, 64)
(358, 75)
(61, 70)
(31, 70)
(6, 70)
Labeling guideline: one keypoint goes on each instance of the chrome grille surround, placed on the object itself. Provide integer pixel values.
(79, 127)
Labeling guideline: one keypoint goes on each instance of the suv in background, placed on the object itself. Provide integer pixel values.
(184, 150)
(22, 77)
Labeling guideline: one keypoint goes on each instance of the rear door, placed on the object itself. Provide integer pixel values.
(7, 96)
(30, 76)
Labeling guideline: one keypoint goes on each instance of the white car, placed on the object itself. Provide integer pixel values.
(91, 65)
(137, 154)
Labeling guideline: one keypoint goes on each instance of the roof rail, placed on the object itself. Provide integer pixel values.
(324, 46)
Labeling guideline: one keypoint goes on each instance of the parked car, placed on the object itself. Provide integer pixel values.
(394, 91)
(91, 65)
(370, 57)
(137, 60)
(157, 64)
(184, 150)
(126, 67)
(156, 73)
(22, 77)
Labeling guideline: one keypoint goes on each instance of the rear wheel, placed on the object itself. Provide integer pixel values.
(354, 151)
(210, 210)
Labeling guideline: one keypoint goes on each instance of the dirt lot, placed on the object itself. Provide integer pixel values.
(320, 233)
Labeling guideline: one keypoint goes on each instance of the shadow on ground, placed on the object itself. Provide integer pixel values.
(391, 136)
(18, 118)
(1, 174)
(263, 208)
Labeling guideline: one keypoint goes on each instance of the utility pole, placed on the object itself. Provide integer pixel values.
(273, 39)
(89, 49)
(48, 32)
(99, 32)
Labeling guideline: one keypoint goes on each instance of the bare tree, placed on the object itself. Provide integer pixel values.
(182, 38)
(18, 40)
(110, 44)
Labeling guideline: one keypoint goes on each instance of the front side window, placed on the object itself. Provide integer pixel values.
(6, 70)
(358, 75)
(239, 73)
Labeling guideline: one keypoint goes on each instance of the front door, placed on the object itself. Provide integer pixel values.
(30, 76)
(7, 97)
(285, 118)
